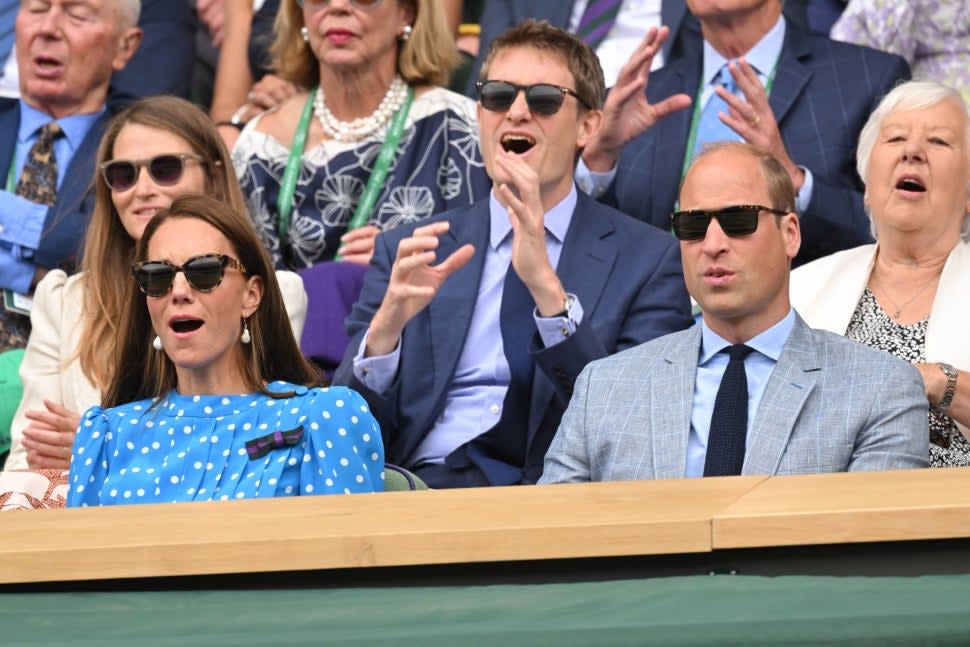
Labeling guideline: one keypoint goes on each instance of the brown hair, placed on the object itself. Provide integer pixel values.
(273, 354)
(426, 58)
(109, 250)
(581, 60)
(779, 183)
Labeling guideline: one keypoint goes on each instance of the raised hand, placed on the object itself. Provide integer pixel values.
(413, 283)
(627, 113)
(521, 196)
(753, 119)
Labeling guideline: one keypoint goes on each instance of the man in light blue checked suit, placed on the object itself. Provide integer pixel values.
(752, 389)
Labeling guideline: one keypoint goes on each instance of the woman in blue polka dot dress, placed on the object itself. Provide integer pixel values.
(213, 400)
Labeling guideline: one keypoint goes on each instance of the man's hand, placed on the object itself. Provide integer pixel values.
(627, 113)
(530, 259)
(754, 119)
(412, 285)
(49, 437)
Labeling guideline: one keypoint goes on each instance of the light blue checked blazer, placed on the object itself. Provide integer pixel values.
(831, 405)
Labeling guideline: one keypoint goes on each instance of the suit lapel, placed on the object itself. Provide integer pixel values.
(587, 258)
(672, 401)
(450, 312)
(792, 75)
(795, 375)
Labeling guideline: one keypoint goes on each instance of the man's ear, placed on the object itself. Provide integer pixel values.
(589, 125)
(791, 232)
(128, 43)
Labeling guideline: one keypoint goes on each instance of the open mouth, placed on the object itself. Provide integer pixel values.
(517, 144)
(186, 325)
(911, 184)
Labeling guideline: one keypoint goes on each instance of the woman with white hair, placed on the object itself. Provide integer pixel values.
(907, 294)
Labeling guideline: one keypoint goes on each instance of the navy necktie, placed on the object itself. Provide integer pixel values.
(518, 326)
(710, 128)
(729, 422)
(597, 20)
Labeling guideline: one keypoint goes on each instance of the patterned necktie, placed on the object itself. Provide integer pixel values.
(38, 179)
(711, 128)
(597, 20)
(729, 423)
(38, 183)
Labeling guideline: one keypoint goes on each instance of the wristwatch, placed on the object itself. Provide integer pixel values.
(951, 387)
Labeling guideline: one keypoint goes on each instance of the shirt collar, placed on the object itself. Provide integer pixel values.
(762, 56)
(75, 127)
(769, 343)
(557, 219)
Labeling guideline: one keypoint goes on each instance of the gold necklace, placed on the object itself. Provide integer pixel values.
(899, 308)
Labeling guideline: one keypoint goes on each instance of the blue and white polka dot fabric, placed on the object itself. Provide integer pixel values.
(194, 448)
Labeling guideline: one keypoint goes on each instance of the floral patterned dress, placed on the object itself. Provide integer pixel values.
(438, 166)
(871, 326)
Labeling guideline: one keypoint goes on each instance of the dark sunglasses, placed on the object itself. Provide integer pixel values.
(165, 170)
(204, 273)
(317, 5)
(739, 220)
(542, 98)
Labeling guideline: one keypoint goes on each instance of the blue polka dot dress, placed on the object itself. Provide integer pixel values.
(215, 447)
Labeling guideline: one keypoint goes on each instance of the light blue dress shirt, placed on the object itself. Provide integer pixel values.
(763, 57)
(477, 391)
(710, 368)
(22, 221)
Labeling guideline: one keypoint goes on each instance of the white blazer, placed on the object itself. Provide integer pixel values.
(826, 292)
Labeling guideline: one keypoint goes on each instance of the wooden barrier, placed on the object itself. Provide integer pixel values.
(848, 508)
(389, 529)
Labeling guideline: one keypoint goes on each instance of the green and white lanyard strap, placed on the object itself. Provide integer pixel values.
(284, 202)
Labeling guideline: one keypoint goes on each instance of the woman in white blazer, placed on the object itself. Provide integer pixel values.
(154, 151)
(907, 294)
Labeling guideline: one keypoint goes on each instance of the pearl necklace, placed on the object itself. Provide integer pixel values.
(361, 127)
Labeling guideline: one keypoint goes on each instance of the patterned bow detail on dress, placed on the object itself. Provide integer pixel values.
(259, 447)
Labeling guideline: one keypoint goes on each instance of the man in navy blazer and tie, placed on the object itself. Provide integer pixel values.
(67, 54)
(471, 328)
(752, 389)
(801, 96)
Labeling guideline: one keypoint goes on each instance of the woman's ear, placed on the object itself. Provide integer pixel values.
(253, 296)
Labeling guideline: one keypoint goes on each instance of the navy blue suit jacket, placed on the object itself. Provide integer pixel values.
(67, 219)
(626, 275)
(501, 15)
(822, 95)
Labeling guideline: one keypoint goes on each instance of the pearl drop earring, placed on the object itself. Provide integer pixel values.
(246, 338)
(157, 343)
(305, 33)
(406, 33)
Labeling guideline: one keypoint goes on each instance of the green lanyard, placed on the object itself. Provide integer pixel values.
(383, 164)
(12, 173)
(696, 118)
(284, 202)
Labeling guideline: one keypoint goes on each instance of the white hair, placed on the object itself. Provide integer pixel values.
(130, 11)
(911, 95)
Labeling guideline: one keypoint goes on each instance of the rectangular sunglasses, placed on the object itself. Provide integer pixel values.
(542, 98)
(165, 170)
(204, 273)
(735, 221)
